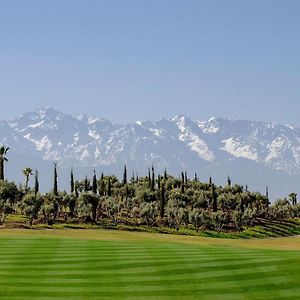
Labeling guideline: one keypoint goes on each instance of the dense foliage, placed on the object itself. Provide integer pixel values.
(153, 200)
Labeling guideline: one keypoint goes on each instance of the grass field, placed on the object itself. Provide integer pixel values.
(99, 264)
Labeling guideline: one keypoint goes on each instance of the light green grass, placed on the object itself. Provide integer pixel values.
(99, 264)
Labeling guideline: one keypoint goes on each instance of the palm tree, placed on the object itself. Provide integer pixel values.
(3, 151)
(27, 172)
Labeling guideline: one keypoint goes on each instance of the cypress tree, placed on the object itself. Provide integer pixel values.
(267, 196)
(36, 182)
(210, 181)
(214, 198)
(137, 177)
(76, 189)
(126, 192)
(228, 181)
(185, 178)
(165, 175)
(158, 182)
(149, 178)
(102, 176)
(153, 180)
(55, 188)
(102, 187)
(196, 177)
(72, 182)
(95, 186)
(132, 177)
(125, 175)
(182, 182)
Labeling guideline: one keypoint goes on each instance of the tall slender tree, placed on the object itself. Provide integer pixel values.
(149, 178)
(228, 181)
(196, 177)
(72, 184)
(182, 182)
(55, 188)
(153, 179)
(94, 186)
(36, 182)
(132, 177)
(102, 186)
(158, 181)
(185, 178)
(165, 175)
(3, 159)
(214, 197)
(162, 201)
(125, 175)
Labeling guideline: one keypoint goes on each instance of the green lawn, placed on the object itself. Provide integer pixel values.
(99, 264)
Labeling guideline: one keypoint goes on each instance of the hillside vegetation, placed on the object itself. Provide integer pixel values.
(161, 203)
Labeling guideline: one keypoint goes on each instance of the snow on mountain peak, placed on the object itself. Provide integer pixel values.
(93, 141)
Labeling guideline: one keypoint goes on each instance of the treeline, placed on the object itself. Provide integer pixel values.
(155, 200)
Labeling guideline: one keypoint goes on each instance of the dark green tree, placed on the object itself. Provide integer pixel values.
(228, 181)
(153, 180)
(94, 186)
(55, 187)
(293, 198)
(149, 179)
(214, 197)
(165, 175)
(158, 182)
(102, 187)
(125, 176)
(182, 182)
(196, 177)
(72, 184)
(36, 183)
(162, 201)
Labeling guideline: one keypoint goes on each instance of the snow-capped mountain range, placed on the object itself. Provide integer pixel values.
(179, 143)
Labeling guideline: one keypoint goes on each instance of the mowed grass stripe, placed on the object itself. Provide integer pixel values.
(57, 268)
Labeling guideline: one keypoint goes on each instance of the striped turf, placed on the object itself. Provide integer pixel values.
(36, 267)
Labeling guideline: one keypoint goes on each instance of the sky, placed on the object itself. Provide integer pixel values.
(129, 60)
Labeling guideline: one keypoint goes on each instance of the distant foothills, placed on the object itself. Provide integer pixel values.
(256, 153)
(156, 201)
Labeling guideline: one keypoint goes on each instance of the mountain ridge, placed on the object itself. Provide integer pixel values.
(177, 143)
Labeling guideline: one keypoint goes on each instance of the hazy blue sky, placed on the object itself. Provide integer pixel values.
(134, 59)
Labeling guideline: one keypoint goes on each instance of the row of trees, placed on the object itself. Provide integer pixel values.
(152, 200)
